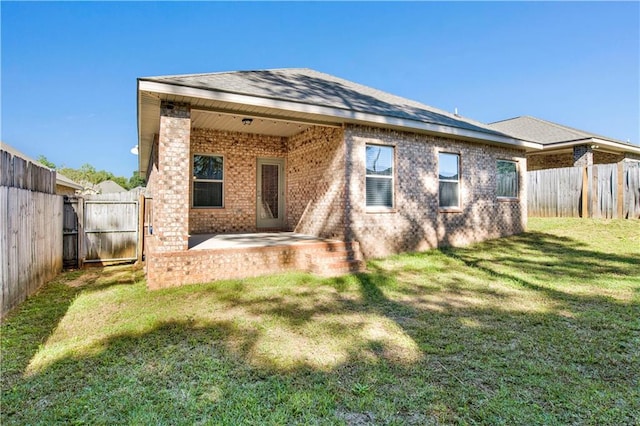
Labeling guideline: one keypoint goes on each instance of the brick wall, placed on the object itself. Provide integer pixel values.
(416, 223)
(325, 179)
(582, 156)
(240, 152)
(600, 157)
(169, 180)
(201, 266)
(549, 161)
(566, 159)
(315, 182)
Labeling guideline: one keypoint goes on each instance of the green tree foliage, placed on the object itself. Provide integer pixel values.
(42, 159)
(136, 180)
(88, 173)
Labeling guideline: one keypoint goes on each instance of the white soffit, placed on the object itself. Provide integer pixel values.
(323, 112)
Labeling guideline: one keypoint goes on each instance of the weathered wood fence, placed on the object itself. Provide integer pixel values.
(600, 191)
(103, 229)
(30, 229)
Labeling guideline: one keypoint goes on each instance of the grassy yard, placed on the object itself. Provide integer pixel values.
(541, 328)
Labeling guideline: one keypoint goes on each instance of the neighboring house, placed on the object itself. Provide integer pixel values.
(108, 187)
(299, 150)
(565, 146)
(64, 185)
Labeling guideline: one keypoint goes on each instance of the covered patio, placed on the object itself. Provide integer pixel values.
(246, 240)
(213, 257)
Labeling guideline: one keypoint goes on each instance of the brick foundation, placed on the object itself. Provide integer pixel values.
(201, 266)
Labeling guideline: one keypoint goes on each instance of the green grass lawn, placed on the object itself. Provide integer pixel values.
(541, 328)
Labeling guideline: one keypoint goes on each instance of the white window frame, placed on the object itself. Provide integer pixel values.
(391, 177)
(456, 181)
(509, 197)
(194, 180)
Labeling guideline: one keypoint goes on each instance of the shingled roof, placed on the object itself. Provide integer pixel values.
(546, 132)
(310, 87)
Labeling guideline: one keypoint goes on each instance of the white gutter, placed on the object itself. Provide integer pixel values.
(593, 141)
(170, 89)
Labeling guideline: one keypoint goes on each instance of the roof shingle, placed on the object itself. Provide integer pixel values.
(307, 86)
(545, 132)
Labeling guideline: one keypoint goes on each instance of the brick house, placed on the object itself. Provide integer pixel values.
(565, 146)
(357, 171)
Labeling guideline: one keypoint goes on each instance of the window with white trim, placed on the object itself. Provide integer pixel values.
(208, 181)
(507, 179)
(448, 180)
(379, 176)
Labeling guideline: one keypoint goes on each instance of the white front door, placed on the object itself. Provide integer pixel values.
(270, 193)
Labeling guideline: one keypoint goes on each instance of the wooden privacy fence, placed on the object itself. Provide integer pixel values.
(601, 191)
(102, 228)
(30, 229)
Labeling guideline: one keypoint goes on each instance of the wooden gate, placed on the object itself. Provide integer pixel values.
(102, 228)
(70, 231)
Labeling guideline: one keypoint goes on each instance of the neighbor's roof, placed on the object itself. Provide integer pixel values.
(548, 133)
(61, 179)
(307, 86)
(108, 187)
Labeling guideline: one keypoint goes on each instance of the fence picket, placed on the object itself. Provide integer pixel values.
(560, 192)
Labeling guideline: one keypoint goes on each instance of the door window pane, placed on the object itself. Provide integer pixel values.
(269, 180)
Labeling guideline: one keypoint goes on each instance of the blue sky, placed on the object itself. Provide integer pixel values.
(69, 69)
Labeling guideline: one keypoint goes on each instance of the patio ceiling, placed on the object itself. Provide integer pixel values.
(231, 122)
(221, 115)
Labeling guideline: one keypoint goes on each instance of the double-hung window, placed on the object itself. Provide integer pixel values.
(208, 180)
(449, 180)
(507, 179)
(379, 176)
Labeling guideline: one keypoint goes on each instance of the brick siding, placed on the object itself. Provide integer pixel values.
(170, 180)
(325, 194)
(416, 223)
(316, 183)
(566, 159)
(241, 152)
(549, 161)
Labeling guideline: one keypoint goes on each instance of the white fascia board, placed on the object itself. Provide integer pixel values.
(353, 116)
(594, 141)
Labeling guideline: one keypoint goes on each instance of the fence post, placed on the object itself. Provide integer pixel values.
(80, 232)
(620, 212)
(585, 192)
(140, 227)
(593, 192)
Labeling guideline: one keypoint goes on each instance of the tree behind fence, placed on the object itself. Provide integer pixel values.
(602, 191)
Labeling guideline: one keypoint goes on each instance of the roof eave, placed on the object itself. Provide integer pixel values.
(616, 146)
(344, 114)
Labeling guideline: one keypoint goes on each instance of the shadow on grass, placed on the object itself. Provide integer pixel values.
(29, 325)
(396, 345)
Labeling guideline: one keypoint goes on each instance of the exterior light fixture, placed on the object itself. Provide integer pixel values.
(247, 121)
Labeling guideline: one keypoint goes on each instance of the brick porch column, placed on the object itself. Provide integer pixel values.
(171, 198)
(582, 156)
